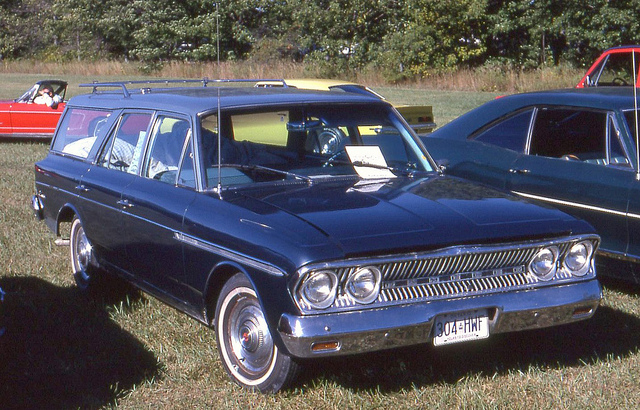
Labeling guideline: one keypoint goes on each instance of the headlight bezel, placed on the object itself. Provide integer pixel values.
(305, 287)
(545, 273)
(375, 284)
(585, 266)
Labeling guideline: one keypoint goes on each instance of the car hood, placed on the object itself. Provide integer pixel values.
(416, 214)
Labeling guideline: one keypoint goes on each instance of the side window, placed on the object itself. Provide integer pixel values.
(166, 147)
(570, 134)
(79, 130)
(510, 133)
(125, 145)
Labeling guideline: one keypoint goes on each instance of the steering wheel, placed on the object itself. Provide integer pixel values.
(329, 161)
(570, 157)
(619, 81)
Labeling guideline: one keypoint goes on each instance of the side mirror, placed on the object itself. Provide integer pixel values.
(442, 164)
(587, 81)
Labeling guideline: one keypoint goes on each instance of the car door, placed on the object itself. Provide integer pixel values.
(577, 163)
(155, 205)
(101, 187)
(633, 251)
(73, 145)
(34, 118)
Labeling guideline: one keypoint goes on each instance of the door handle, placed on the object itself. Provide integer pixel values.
(124, 203)
(519, 171)
(81, 188)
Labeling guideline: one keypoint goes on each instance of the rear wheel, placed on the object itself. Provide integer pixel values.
(244, 342)
(82, 263)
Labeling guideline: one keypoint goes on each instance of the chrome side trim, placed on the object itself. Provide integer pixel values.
(226, 253)
(577, 205)
(618, 256)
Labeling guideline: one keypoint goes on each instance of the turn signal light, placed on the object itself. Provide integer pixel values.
(325, 346)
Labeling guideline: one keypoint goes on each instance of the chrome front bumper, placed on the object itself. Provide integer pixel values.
(396, 326)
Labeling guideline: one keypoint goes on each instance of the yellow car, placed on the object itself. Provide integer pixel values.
(419, 117)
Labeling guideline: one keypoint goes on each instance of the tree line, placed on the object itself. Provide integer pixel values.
(400, 38)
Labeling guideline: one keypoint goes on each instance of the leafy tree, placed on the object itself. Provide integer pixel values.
(25, 28)
(404, 38)
(437, 35)
(601, 24)
(74, 24)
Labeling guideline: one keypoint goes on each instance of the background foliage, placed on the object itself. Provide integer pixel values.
(402, 38)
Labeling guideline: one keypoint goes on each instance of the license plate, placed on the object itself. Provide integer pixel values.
(461, 327)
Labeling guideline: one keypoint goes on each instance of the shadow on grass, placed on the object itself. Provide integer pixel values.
(61, 349)
(624, 286)
(609, 333)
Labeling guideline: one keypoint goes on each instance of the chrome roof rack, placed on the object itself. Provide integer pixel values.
(145, 90)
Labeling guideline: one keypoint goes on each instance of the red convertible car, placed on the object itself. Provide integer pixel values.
(36, 113)
(614, 67)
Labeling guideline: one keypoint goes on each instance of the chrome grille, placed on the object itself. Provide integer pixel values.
(450, 273)
(470, 262)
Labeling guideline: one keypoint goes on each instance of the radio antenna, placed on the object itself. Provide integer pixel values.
(635, 111)
(218, 37)
(219, 188)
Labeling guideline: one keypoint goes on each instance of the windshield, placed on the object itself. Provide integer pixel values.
(305, 143)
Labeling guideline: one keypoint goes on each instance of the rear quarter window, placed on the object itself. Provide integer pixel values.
(510, 133)
(78, 131)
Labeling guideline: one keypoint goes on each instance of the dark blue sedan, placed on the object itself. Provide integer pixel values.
(300, 224)
(574, 149)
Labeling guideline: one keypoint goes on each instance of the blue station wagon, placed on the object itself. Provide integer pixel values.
(300, 225)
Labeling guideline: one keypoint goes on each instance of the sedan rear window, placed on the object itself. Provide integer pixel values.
(510, 133)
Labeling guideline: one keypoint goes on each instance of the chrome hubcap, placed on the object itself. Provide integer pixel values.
(249, 346)
(82, 254)
(83, 251)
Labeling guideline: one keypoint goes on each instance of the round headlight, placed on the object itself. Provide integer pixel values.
(578, 259)
(364, 284)
(319, 289)
(544, 263)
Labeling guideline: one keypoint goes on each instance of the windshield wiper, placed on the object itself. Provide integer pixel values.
(405, 172)
(306, 179)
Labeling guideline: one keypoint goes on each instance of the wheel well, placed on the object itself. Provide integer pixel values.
(65, 217)
(219, 276)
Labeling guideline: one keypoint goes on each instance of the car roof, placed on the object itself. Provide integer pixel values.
(621, 49)
(56, 82)
(308, 83)
(603, 98)
(195, 100)
(594, 97)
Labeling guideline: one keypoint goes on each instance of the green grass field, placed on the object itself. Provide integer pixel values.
(63, 349)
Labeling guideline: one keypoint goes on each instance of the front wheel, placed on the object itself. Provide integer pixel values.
(244, 342)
